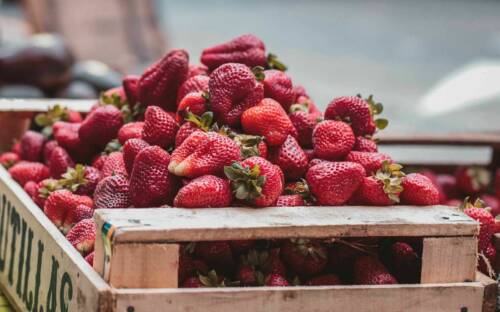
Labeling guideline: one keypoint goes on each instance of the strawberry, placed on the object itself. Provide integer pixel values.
(101, 126)
(290, 158)
(130, 150)
(82, 236)
(216, 255)
(47, 150)
(371, 161)
(209, 280)
(130, 85)
(299, 91)
(9, 159)
(448, 185)
(247, 276)
(158, 85)
(278, 86)
(343, 253)
(90, 258)
(276, 280)
(369, 270)
(98, 161)
(196, 84)
(66, 135)
(151, 185)
(304, 257)
(45, 188)
(26, 171)
(114, 164)
(55, 114)
(255, 265)
(383, 188)
(194, 123)
(358, 112)
(486, 221)
(404, 263)
(81, 212)
(189, 267)
(333, 183)
(215, 192)
(16, 148)
(418, 190)
(455, 202)
(256, 181)
(268, 119)
(32, 146)
(250, 145)
(159, 127)
(492, 202)
(309, 154)
(112, 192)
(304, 122)
(246, 49)
(194, 102)
(59, 162)
(290, 201)
(317, 161)
(299, 188)
(332, 140)
(195, 70)
(31, 188)
(472, 180)
(324, 280)
(132, 130)
(81, 180)
(233, 89)
(59, 206)
(364, 144)
(240, 246)
(203, 153)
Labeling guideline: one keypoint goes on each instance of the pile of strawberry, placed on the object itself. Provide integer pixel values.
(478, 194)
(234, 131)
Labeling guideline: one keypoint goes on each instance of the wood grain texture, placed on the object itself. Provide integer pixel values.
(449, 259)
(460, 139)
(175, 224)
(490, 292)
(386, 298)
(144, 266)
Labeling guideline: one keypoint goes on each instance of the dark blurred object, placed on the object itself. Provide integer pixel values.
(42, 60)
(20, 91)
(97, 74)
(78, 90)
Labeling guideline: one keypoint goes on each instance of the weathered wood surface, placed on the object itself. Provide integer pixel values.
(460, 139)
(176, 224)
(39, 269)
(41, 105)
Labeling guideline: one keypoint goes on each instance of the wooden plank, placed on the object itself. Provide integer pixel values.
(387, 298)
(144, 266)
(175, 224)
(460, 139)
(41, 105)
(490, 292)
(39, 269)
(12, 125)
(449, 259)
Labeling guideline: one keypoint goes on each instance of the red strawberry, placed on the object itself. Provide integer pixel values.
(418, 190)
(371, 161)
(130, 149)
(486, 221)
(492, 202)
(358, 112)
(151, 185)
(455, 202)
(490, 253)
(332, 140)
(45, 188)
(32, 146)
(159, 127)
(82, 180)
(60, 205)
(472, 180)
(47, 150)
(268, 119)
(195, 70)
(130, 85)
(246, 49)
(278, 86)
(31, 188)
(233, 89)
(16, 148)
(189, 267)
(209, 280)
(290, 201)
(448, 184)
(324, 280)
(112, 192)
(66, 135)
(158, 85)
(333, 183)
(304, 122)
(240, 246)
(370, 271)
(216, 255)
(404, 263)
(132, 130)
(250, 145)
(256, 181)
(59, 162)
(194, 102)
(277, 280)
(309, 153)
(365, 145)
(215, 192)
(26, 171)
(247, 276)
(196, 84)
(81, 212)
(8, 159)
(317, 161)
(90, 258)
(290, 158)
(304, 257)
(343, 253)
(101, 126)
(82, 236)
(99, 160)
(194, 123)
(298, 188)
(383, 188)
(114, 164)
(299, 91)
(203, 153)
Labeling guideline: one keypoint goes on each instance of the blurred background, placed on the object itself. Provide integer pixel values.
(434, 64)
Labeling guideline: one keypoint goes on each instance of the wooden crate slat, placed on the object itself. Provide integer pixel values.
(460, 139)
(174, 224)
(41, 105)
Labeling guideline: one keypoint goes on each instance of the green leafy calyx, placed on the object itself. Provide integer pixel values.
(274, 63)
(391, 176)
(246, 183)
